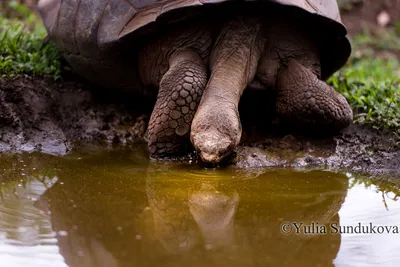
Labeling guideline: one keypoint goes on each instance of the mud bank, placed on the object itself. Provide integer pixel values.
(42, 115)
(358, 149)
(39, 114)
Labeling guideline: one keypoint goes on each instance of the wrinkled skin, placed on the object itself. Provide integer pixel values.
(201, 81)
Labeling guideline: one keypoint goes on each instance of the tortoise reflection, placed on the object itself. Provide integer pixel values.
(170, 215)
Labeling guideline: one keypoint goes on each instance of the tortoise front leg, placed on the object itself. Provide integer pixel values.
(305, 100)
(179, 93)
(216, 128)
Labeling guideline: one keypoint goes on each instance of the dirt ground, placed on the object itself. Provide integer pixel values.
(370, 13)
(39, 114)
(358, 149)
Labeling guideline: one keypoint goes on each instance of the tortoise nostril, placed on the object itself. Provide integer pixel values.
(209, 158)
(212, 146)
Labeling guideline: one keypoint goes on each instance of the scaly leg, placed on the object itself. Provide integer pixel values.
(305, 100)
(179, 93)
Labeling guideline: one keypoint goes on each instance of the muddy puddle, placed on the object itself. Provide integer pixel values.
(117, 208)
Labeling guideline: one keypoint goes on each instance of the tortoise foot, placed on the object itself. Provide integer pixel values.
(305, 100)
(179, 93)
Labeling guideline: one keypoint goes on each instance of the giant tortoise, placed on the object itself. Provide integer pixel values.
(201, 55)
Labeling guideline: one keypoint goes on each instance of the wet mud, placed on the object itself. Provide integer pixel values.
(56, 118)
(357, 148)
(39, 114)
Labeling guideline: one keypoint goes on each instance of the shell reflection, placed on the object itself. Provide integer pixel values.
(169, 214)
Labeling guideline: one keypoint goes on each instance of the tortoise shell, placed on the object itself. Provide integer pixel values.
(92, 33)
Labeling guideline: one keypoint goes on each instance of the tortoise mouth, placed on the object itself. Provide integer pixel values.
(212, 147)
(213, 159)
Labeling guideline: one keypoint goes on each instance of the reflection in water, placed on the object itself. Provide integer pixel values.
(167, 216)
(26, 233)
(189, 216)
(118, 210)
(214, 213)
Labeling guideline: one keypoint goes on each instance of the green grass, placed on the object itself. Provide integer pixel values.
(370, 42)
(371, 82)
(22, 49)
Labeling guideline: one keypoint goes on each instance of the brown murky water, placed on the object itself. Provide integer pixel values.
(116, 208)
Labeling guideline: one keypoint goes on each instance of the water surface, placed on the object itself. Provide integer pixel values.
(117, 208)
